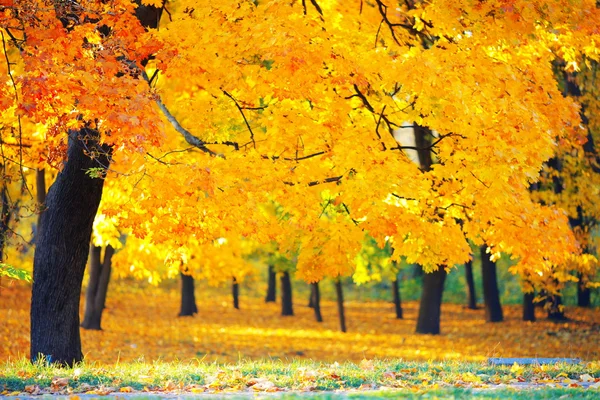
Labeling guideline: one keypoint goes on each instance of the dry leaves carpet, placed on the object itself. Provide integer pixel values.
(144, 325)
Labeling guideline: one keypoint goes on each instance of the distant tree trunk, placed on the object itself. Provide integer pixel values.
(555, 309)
(430, 307)
(491, 294)
(397, 299)
(528, 307)
(471, 293)
(315, 297)
(235, 291)
(417, 271)
(272, 286)
(62, 248)
(287, 307)
(4, 219)
(340, 304)
(188, 297)
(95, 298)
(583, 293)
(40, 194)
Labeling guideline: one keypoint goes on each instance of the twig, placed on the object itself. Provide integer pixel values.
(243, 116)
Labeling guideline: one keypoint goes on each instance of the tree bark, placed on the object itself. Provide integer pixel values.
(272, 286)
(471, 293)
(583, 293)
(430, 307)
(95, 298)
(235, 291)
(40, 194)
(397, 299)
(340, 304)
(62, 249)
(528, 307)
(188, 297)
(491, 294)
(287, 306)
(316, 300)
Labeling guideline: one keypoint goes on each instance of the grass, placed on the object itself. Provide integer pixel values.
(369, 377)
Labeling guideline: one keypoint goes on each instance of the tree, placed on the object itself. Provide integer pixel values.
(95, 298)
(491, 294)
(188, 306)
(471, 292)
(295, 105)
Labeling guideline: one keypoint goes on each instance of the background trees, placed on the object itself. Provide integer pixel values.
(275, 121)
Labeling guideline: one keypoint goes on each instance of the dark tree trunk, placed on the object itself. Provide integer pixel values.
(235, 291)
(40, 194)
(315, 298)
(340, 304)
(430, 307)
(583, 293)
(272, 286)
(555, 309)
(4, 220)
(311, 303)
(528, 307)
(397, 299)
(95, 298)
(62, 249)
(471, 293)
(188, 297)
(287, 306)
(491, 294)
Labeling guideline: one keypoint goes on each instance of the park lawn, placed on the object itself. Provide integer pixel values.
(370, 378)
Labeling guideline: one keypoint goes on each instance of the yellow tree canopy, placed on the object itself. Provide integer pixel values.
(295, 103)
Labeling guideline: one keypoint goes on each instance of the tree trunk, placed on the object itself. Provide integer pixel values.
(188, 297)
(528, 307)
(583, 293)
(471, 293)
(287, 306)
(430, 307)
(340, 304)
(491, 294)
(40, 194)
(5, 217)
(316, 300)
(397, 299)
(61, 251)
(555, 309)
(235, 291)
(272, 286)
(311, 303)
(95, 298)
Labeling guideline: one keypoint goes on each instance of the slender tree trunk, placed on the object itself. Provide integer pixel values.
(4, 220)
(272, 286)
(61, 251)
(491, 294)
(340, 304)
(287, 306)
(316, 300)
(188, 297)
(430, 307)
(95, 298)
(235, 291)
(583, 293)
(40, 194)
(311, 302)
(397, 299)
(528, 307)
(471, 293)
(555, 309)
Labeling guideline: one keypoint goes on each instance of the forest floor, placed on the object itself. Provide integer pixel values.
(145, 349)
